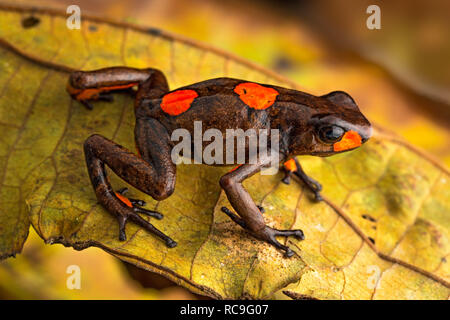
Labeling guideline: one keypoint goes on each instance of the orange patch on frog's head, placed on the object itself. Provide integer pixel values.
(350, 140)
(255, 95)
(331, 134)
(177, 102)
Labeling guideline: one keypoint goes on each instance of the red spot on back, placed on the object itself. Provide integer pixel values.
(255, 95)
(177, 102)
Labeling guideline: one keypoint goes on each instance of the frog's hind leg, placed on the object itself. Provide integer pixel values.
(292, 166)
(88, 86)
(154, 176)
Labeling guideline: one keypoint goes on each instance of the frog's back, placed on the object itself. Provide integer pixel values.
(218, 103)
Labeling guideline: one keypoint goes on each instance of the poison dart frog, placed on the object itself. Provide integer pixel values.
(307, 124)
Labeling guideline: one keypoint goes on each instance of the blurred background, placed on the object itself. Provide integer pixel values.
(399, 75)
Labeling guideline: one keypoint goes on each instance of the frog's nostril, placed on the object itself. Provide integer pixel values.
(366, 135)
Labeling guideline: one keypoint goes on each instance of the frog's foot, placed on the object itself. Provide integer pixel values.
(132, 213)
(136, 204)
(268, 234)
(108, 97)
(136, 218)
(134, 208)
(293, 167)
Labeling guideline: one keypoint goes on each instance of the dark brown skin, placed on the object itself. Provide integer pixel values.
(303, 120)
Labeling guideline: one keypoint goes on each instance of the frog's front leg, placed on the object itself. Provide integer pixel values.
(292, 166)
(153, 173)
(251, 218)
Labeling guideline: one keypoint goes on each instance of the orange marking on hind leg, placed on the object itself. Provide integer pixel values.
(93, 93)
(124, 199)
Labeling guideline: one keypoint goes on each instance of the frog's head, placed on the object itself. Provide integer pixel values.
(336, 126)
(340, 126)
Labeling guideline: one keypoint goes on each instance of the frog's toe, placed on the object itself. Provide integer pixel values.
(318, 196)
(317, 185)
(287, 177)
(149, 213)
(137, 202)
(269, 235)
(87, 104)
(316, 188)
(136, 218)
(170, 243)
(106, 97)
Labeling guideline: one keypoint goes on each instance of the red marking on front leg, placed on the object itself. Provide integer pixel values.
(255, 95)
(235, 168)
(177, 102)
(290, 165)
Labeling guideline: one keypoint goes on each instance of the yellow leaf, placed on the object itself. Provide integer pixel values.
(383, 231)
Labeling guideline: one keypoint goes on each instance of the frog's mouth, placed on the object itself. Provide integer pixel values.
(324, 153)
(329, 153)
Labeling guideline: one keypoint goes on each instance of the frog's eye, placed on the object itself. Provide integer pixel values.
(330, 134)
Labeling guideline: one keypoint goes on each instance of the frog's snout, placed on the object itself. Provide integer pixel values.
(366, 134)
